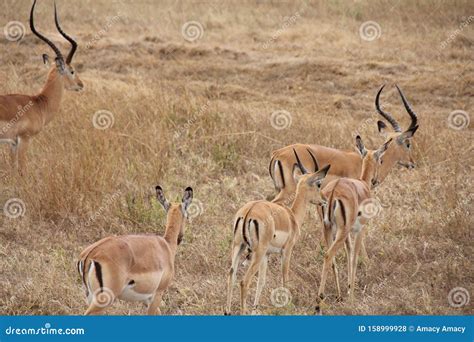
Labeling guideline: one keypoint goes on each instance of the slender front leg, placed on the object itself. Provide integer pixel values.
(236, 253)
(154, 307)
(348, 249)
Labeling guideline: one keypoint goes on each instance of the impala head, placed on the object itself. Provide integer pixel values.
(310, 182)
(61, 65)
(372, 161)
(400, 150)
(177, 212)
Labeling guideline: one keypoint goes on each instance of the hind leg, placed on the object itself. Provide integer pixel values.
(236, 253)
(154, 307)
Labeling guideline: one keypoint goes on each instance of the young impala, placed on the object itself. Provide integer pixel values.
(24, 116)
(134, 267)
(344, 163)
(263, 227)
(347, 199)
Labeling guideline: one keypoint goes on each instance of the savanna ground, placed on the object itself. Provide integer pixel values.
(198, 113)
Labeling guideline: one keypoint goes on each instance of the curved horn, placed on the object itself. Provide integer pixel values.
(386, 115)
(68, 38)
(414, 118)
(40, 36)
(298, 161)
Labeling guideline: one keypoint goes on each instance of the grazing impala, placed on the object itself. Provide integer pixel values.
(263, 227)
(344, 163)
(347, 199)
(24, 116)
(134, 267)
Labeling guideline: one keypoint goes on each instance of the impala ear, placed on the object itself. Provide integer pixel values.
(318, 177)
(407, 134)
(381, 151)
(160, 196)
(187, 199)
(297, 173)
(382, 127)
(360, 146)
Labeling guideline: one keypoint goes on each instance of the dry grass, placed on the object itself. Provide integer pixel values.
(199, 114)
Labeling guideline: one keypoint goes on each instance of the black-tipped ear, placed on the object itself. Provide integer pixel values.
(187, 198)
(380, 152)
(317, 177)
(407, 134)
(160, 196)
(360, 146)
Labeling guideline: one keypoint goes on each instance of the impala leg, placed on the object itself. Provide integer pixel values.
(262, 275)
(348, 249)
(355, 255)
(154, 307)
(244, 285)
(285, 264)
(22, 148)
(236, 253)
(328, 261)
(328, 239)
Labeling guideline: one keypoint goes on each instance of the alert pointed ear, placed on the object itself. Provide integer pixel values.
(407, 134)
(160, 196)
(382, 127)
(381, 151)
(360, 146)
(318, 177)
(187, 199)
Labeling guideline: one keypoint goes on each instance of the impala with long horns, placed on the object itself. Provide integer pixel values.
(263, 227)
(134, 267)
(348, 209)
(24, 116)
(344, 163)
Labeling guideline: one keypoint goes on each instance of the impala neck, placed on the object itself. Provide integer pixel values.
(51, 95)
(367, 173)
(299, 206)
(174, 223)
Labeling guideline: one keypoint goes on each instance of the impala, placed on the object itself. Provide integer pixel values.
(264, 227)
(346, 199)
(134, 267)
(344, 163)
(24, 116)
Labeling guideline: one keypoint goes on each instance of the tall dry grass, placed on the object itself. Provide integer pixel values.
(198, 114)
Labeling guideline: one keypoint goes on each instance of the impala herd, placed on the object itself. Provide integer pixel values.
(141, 267)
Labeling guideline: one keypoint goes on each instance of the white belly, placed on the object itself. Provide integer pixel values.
(130, 295)
(357, 226)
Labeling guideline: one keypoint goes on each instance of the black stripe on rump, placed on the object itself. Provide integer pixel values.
(98, 273)
(237, 224)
